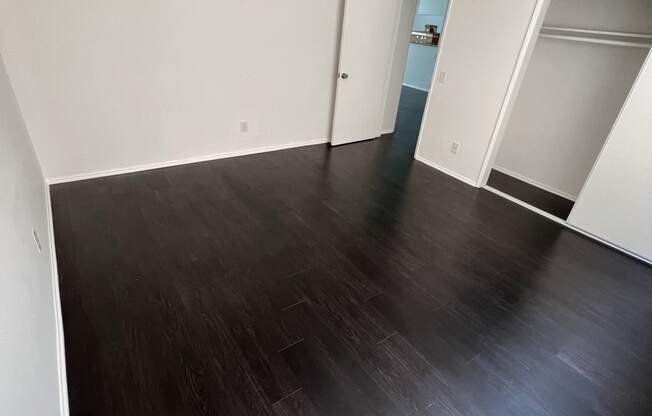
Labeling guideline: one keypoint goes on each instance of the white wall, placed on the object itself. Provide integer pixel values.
(112, 84)
(434, 7)
(572, 94)
(481, 45)
(614, 15)
(28, 342)
(616, 203)
(420, 66)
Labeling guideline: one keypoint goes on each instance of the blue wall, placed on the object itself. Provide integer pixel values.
(421, 59)
(432, 7)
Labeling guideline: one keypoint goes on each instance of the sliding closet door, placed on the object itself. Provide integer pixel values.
(616, 202)
(573, 90)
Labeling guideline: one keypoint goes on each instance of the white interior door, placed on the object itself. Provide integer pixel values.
(366, 50)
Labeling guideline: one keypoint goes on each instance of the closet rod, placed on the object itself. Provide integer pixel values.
(597, 40)
(598, 32)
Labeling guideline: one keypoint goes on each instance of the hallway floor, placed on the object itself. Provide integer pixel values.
(344, 281)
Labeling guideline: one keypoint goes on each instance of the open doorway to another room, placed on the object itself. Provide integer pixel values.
(385, 70)
(427, 27)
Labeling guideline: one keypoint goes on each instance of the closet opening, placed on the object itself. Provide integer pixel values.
(582, 65)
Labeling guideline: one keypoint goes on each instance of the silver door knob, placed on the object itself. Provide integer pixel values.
(345, 75)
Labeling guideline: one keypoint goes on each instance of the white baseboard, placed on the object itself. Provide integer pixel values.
(535, 183)
(447, 171)
(197, 159)
(566, 224)
(414, 87)
(58, 316)
(383, 132)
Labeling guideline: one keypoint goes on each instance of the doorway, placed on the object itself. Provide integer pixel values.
(386, 69)
(423, 48)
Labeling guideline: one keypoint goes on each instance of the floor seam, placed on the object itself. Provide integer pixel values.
(287, 396)
(291, 345)
(304, 300)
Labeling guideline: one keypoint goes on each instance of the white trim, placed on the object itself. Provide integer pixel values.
(197, 159)
(535, 183)
(58, 316)
(520, 69)
(383, 132)
(446, 171)
(566, 224)
(414, 87)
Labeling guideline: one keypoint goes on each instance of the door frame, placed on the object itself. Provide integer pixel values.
(515, 83)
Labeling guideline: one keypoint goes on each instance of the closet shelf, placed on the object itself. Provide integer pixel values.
(598, 32)
(635, 40)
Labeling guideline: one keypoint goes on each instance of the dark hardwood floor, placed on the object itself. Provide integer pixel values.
(553, 204)
(345, 281)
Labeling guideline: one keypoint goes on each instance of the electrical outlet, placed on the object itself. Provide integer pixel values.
(455, 147)
(443, 76)
(244, 126)
(37, 240)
